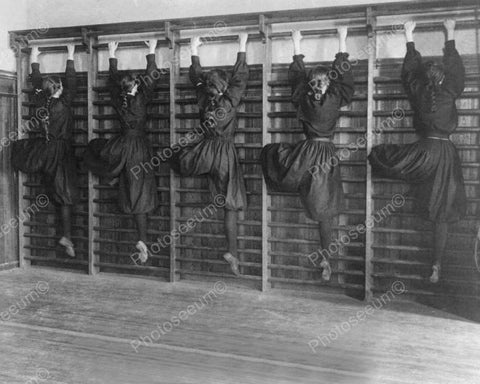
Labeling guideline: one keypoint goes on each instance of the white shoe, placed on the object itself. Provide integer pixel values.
(114, 181)
(327, 270)
(68, 246)
(233, 261)
(142, 248)
(435, 274)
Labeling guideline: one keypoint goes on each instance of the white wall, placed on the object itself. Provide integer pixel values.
(58, 13)
(44, 14)
(82, 12)
(13, 16)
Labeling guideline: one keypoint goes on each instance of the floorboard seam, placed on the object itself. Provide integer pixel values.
(190, 350)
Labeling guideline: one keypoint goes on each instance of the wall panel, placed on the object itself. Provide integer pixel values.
(8, 121)
(42, 223)
(402, 241)
(275, 237)
(200, 250)
(293, 236)
(115, 233)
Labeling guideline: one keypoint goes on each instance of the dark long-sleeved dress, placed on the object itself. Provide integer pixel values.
(214, 154)
(300, 167)
(431, 164)
(51, 153)
(128, 155)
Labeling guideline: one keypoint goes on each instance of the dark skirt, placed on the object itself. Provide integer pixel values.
(217, 159)
(55, 161)
(433, 168)
(128, 157)
(308, 168)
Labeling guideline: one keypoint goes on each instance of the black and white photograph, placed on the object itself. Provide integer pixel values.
(240, 192)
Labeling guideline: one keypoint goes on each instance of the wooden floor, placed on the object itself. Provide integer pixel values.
(79, 329)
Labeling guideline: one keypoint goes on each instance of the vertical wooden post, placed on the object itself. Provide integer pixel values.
(266, 138)
(93, 269)
(9, 252)
(21, 84)
(174, 74)
(370, 121)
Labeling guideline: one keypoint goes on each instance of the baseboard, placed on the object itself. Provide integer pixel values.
(9, 265)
